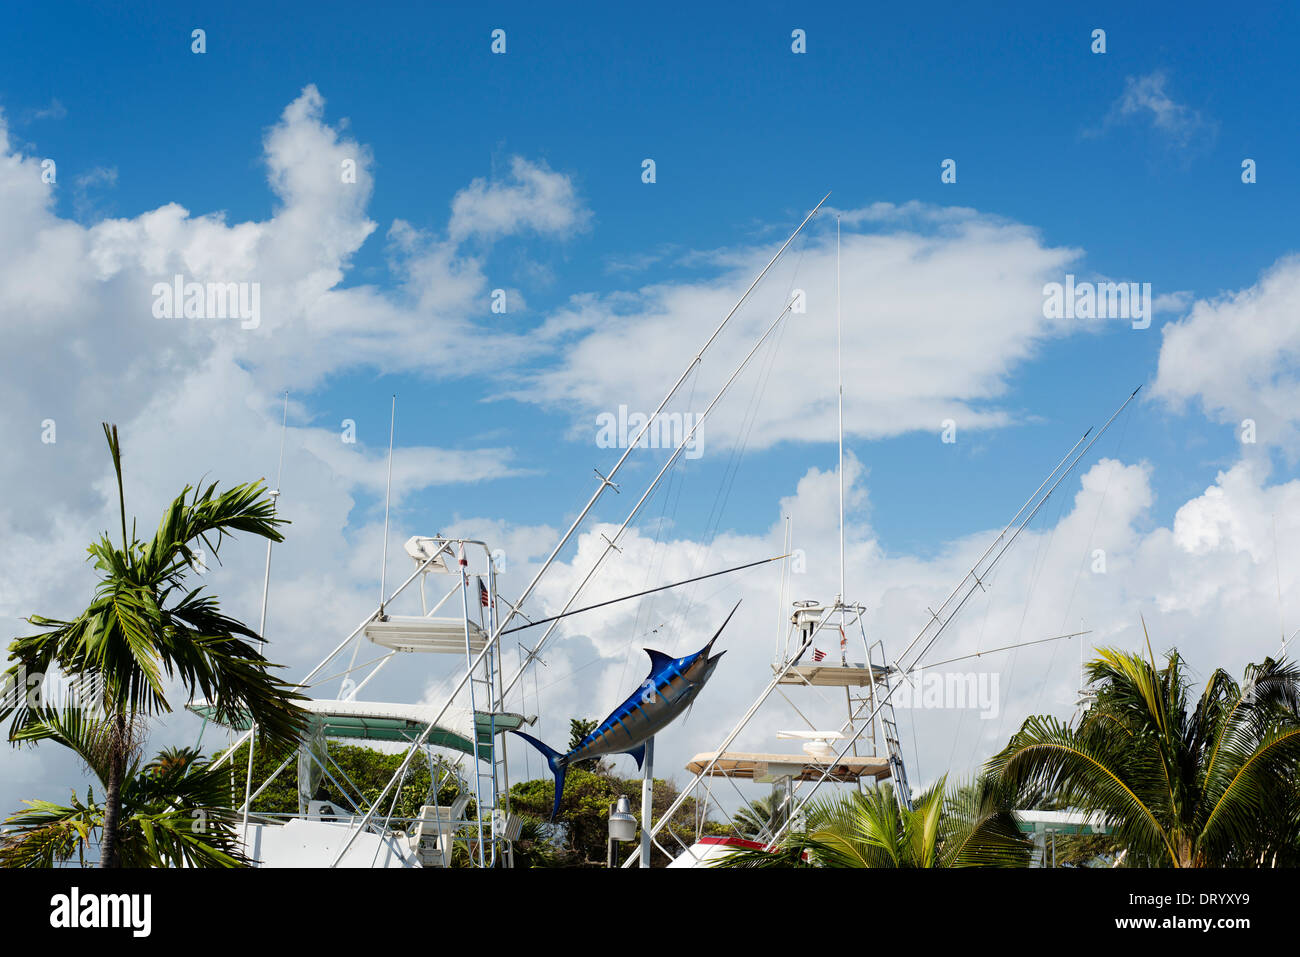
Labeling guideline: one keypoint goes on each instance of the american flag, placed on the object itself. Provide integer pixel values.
(818, 654)
(482, 593)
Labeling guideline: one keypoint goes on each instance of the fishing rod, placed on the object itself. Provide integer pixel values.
(648, 591)
(1021, 644)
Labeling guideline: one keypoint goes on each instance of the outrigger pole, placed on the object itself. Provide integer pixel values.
(974, 577)
(1019, 644)
(606, 481)
(839, 379)
(648, 591)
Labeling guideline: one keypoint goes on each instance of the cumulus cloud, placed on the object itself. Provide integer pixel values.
(77, 298)
(935, 320)
(196, 398)
(1206, 584)
(938, 313)
(1237, 356)
(534, 198)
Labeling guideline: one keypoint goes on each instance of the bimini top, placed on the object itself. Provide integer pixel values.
(392, 721)
(420, 633)
(766, 768)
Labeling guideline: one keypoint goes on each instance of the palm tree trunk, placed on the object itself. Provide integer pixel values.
(113, 798)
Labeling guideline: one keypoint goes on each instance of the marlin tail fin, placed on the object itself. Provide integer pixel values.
(557, 764)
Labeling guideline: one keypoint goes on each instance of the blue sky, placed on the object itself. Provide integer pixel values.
(1124, 165)
(746, 136)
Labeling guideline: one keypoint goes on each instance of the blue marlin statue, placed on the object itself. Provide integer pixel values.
(666, 692)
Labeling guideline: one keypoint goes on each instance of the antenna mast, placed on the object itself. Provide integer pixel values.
(261, 629)
(275, 495)
(388, 496)
(839, 376)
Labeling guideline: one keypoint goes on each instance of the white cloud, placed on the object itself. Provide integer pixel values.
(412, 468)
(535, 199)
(936, 318)
(1145, 98)
(196, 398)
(55, 111)
(1238, 356)
(1206, 585)
(1176, 301)
(935, 321)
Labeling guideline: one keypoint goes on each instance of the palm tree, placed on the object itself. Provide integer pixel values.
(754, 820)
(1181, 785)
(144, 626)
(175, 811)
(970, 826)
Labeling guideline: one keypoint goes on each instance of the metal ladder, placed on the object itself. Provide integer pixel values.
(888, 723)
(483, 702)
(487, 701)
(501, 816)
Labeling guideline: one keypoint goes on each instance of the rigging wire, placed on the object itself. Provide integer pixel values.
(686, 599)
(979, 646)
(671, 501)
(1035, 571)
(718, 508)
(676, 483)
(1096, 519)
(1060, 510)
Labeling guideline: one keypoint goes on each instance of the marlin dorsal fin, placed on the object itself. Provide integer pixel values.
(658, 660)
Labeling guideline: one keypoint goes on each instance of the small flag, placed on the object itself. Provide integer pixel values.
(818, 654)
(482, 593)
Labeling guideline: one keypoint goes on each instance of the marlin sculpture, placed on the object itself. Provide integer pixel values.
(666, 692)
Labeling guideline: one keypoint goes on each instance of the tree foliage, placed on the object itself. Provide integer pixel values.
(1181, 782)
(968, 826)
(366, 768)
(579, 728)
(578, 836)
(145, 625)
(175, 810)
